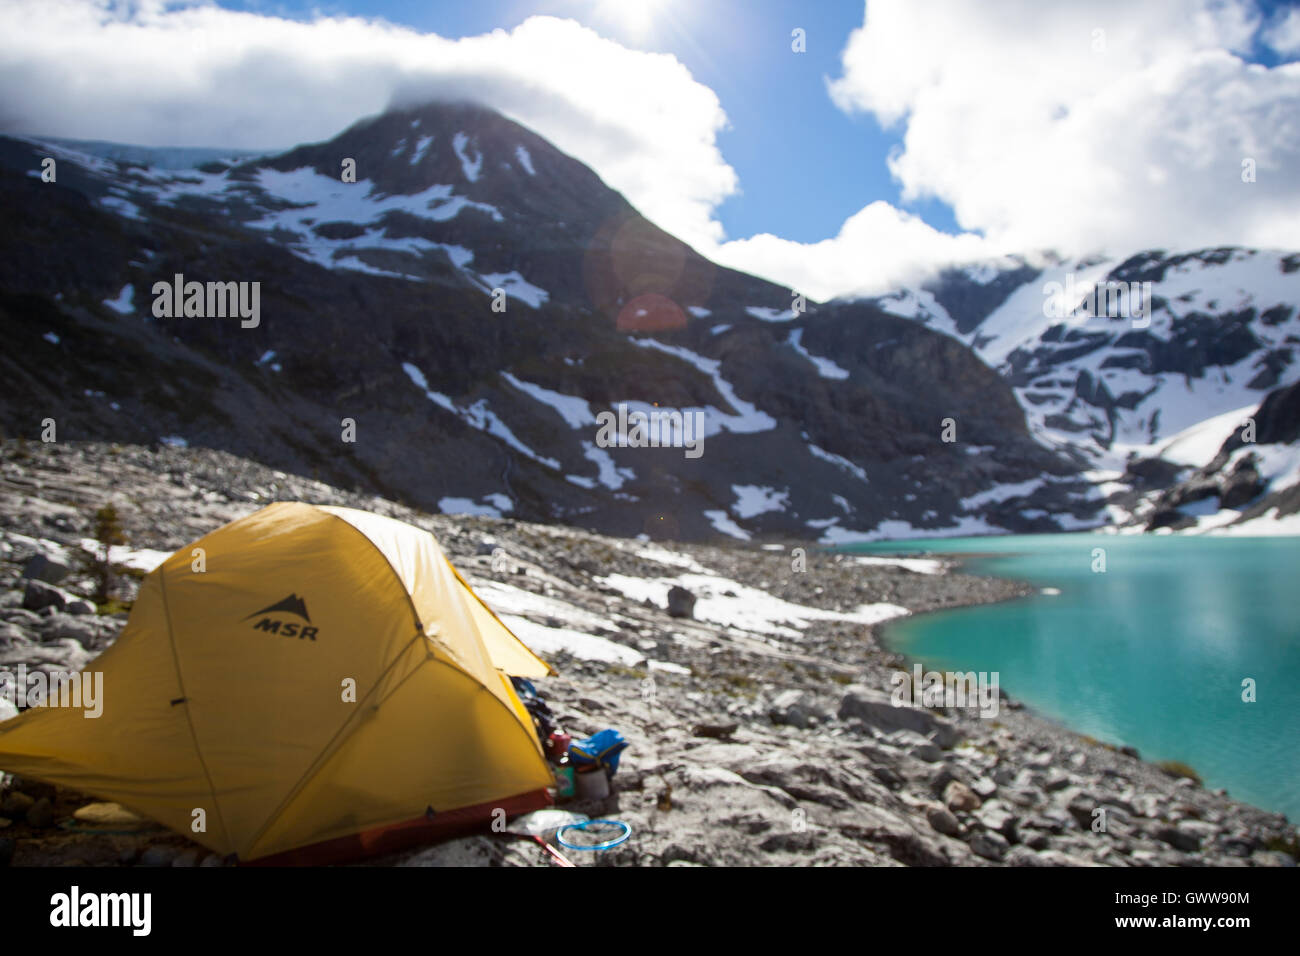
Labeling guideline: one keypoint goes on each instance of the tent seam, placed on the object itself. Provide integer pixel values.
(406, 592)
(331, 748)
(449, 663)
(189, 720)
(341, 735)
(551, 671)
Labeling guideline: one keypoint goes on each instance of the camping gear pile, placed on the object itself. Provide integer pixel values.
(583, 769)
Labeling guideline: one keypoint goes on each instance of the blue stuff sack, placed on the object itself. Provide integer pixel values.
(599, 750)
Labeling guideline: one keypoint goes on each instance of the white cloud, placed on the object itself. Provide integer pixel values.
(156, 74)
(876, 249)
(1283, 35)
(1111, 125)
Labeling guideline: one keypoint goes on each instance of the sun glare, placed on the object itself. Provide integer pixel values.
(637, 18)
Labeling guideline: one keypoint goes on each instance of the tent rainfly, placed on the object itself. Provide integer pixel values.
(322, 685)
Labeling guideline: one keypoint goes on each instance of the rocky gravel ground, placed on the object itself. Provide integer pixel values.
(758, 712)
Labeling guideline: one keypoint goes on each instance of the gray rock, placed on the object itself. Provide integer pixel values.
(1022, 796)
(1024, 856)
(942, 777)
(958, 798)
(943, 821)
(1055, 781)
(1179, 838)
(995, 816)
(927, 751)
(19, 616)
(681, 602)
(1004, 776)
(876, 708)
(984, 787)
(797, 708)
(888, 776)
(64, 627)
(79, 606)
(1038, 841)
(38, 595)
(42, 568)
(991, 846)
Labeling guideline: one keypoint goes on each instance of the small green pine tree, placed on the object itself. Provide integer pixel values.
(108, 532)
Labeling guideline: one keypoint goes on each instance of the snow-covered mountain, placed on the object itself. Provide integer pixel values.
(1127, 363)
(444, 308)
(457, 328)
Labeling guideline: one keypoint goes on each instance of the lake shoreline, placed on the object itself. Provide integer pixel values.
(1137, 566)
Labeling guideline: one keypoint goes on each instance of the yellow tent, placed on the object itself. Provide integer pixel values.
(305, 677)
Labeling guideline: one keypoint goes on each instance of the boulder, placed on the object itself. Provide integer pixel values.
(65, 627)
(959, 798)
(796, 708)
(927, 751)
(38, 595)
(39, 567)
(991, 846)
(994, 815)
(943, 821)
(681, 602)
(877, 709)
(1179, 838)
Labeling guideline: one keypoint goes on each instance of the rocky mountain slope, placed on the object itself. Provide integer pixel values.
(448, 329)
(759, 715)
(1140, 367)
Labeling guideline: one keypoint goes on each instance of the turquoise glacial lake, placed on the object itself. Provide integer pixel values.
(1152, 652)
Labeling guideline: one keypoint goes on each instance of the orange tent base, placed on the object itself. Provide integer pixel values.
(401, 836)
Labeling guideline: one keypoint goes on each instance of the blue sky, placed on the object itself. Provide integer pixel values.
(804, 165)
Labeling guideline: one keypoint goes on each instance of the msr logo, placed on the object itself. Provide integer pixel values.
(273, 622)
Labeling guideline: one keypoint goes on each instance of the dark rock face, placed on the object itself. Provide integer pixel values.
(377, 315)
(971, 303)
(1240, 487)
(1234, 473)
(1276, 420)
